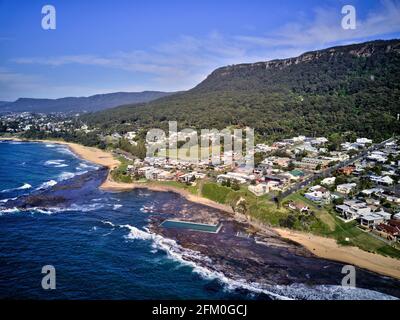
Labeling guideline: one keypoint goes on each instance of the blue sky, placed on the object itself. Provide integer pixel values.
(106, 46)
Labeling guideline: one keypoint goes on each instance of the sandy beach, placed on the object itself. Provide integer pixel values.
(328, 248)
(94, 155)
(322, 247)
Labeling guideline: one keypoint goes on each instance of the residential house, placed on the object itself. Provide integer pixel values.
(281, 162)
(260, 189)
(371, 220)
(385, 215)
(318, 194)
(226, 177)
(296, 174)
(388, 232)
(282, 179)
(391, 198)
(386, 180)
(363, 141)
(369, 192)
(328, 181)
(353, 209)
(377, 156)
(347, 170)
(346, 188)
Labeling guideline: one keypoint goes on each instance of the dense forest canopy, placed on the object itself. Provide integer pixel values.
(353, 88)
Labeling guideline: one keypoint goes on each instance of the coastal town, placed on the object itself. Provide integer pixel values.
(356, 181)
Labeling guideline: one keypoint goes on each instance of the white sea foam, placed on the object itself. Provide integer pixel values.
(10, 210)
(74, 207)
(48, 145)
(6, 200)
(41, 210)
(65, 150)
(53, 162)
(47, 184)
(147, 209)
(84, 208)
(69, 175)
(83, 166)
(108, 223)
(331, 292)
(65, 176)
(117, 206)
(61, 166)
(23, 187)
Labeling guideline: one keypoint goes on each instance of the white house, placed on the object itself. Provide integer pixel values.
(385, 215)
(371, 220)
(386, 180)
(353, 209)
(329, 181)
(320, 195)
(364, 141)
(392, 198)
(346, 188)
(369, 192)
(226, 177)
(259, 189)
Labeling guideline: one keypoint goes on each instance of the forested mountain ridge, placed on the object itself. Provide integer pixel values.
(80, 104)
(348, 88)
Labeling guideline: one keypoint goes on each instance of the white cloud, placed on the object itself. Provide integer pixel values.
(184, 62)
(326, 29)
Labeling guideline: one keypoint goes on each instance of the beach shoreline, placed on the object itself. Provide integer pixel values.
(322, 247)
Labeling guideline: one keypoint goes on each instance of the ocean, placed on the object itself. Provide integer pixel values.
(100, 244)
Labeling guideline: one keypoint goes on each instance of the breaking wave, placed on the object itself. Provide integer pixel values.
(69, 175)
(10, 210)
(6, 200)
(83, 166)
(23, 187)
(65, 150)
(54, 162)
(47, 184)
(53, 210)
(108, 223)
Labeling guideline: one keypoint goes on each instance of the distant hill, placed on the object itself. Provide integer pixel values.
(80, 104)
(348, 88)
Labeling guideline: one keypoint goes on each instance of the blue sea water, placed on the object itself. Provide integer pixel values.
(99, 245)
(98, 248)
